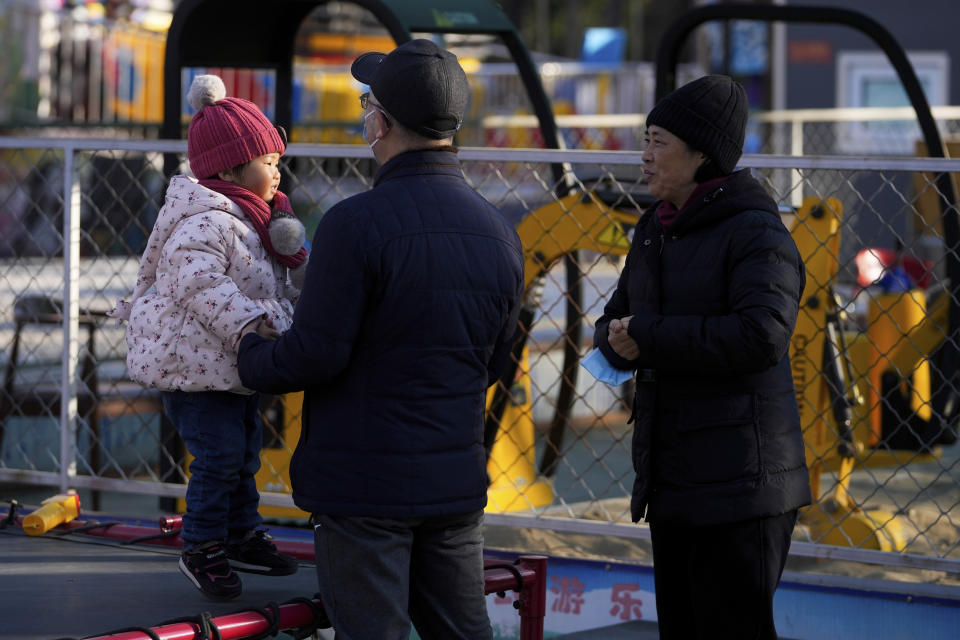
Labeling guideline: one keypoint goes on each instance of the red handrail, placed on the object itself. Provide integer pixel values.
(232, 626)
(529, 577)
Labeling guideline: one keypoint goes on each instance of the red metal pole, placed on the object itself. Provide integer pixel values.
(169, 523)
(529, 577)
(234, 626)
(533, 599)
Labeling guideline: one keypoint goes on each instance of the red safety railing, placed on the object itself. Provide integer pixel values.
(527, 576)
(232, 626)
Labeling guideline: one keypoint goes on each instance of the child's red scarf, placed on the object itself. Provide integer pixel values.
(258, 211)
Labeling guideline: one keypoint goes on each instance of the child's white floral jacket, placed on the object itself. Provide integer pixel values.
(204, 275)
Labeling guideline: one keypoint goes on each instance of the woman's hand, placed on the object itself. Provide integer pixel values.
(620, 341)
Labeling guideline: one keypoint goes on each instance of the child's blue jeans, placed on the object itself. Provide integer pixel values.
(223, 432)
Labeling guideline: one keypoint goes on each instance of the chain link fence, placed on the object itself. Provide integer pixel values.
(873, 356)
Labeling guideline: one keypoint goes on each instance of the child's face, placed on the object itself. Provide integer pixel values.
(261, 176)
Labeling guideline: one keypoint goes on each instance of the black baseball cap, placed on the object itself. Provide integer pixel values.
(420, 84)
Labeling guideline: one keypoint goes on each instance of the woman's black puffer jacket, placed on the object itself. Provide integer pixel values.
(714, 300)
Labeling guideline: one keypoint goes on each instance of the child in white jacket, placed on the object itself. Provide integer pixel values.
(221, 261)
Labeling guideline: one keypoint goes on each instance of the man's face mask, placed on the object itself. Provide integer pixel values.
(363, 123)
(370, 112)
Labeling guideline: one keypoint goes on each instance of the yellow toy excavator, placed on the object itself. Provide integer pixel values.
(826, 393)
(865, 397)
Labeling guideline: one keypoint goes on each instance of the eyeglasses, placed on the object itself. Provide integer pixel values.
(365, 102)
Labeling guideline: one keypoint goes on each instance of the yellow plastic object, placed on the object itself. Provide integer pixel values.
(56, 510)
(514, 483)
(891, 317)
(840, 525)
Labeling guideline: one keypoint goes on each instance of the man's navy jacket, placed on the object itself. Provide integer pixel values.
(407, 315)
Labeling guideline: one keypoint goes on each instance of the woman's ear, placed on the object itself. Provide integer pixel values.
(226, 176)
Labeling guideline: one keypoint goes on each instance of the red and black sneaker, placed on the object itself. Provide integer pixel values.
(208, 568)
(256, 553)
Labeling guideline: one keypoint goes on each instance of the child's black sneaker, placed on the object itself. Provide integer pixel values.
(209, 570)
(256, 553)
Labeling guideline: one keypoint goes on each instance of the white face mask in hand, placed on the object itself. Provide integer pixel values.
(601, 369)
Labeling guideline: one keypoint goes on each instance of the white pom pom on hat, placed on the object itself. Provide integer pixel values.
(204, 90)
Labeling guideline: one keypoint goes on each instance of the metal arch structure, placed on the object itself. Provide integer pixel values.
(666, 78)
(246, 36)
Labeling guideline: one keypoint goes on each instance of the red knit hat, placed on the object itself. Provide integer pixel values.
(225, 132)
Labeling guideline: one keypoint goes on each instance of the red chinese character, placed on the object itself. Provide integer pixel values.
(570, 595)
(624, 603)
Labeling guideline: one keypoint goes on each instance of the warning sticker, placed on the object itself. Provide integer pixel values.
(614, 236)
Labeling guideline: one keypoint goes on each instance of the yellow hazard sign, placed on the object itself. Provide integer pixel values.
(614, 236)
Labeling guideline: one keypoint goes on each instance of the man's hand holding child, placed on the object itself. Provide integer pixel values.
(263, 328)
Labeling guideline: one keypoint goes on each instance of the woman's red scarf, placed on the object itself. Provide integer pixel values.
(259, 213)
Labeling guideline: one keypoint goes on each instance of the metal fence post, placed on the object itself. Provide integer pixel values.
(796, 149)
(71, 319)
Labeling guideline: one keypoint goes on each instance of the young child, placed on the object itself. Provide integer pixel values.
(220, 262)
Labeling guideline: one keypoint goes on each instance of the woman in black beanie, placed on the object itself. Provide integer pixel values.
(704, 311)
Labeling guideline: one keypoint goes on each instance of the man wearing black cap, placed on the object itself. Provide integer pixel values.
(420, 86)
(704, 312)
(406, 316)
